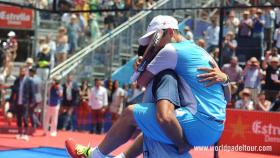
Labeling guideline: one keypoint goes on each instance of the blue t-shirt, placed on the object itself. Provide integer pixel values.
(185, 57)
(55, 98)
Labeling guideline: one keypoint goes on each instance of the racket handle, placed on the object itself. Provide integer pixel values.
(135, 76)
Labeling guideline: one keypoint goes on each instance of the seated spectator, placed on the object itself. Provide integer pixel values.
(245, 25)
(263, 104)
(234, 72)
(232, 23)
(245, 103)
(252, 77)
(272, 79)
(229, 46)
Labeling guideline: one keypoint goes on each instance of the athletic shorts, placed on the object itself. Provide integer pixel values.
(199, 131)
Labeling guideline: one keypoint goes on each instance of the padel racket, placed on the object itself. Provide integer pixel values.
(149, 54)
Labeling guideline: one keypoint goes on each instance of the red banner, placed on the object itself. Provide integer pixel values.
(15, 17)
(252, 129)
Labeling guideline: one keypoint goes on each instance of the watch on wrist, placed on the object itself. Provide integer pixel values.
(227, 82)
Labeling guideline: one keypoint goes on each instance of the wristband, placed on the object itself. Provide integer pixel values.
(227, 82)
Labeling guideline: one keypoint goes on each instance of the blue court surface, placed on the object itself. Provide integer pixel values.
(41, 152)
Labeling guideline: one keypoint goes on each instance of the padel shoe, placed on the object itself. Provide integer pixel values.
(76, 150)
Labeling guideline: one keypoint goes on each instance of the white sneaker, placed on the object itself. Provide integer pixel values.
(53, 134)
(18, 136)
(25, 137)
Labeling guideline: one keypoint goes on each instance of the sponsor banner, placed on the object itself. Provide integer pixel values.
(15, 17)
(252, 128)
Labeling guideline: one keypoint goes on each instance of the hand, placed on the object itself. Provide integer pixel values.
(214, 75)
(137, 62)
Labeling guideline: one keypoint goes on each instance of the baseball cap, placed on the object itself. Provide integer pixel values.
(158, 22)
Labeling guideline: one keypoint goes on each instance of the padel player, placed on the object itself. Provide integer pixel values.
(201, 113)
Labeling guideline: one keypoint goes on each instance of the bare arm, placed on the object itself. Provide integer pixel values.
(215, 75)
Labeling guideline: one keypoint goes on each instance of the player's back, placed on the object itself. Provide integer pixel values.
(190, 57)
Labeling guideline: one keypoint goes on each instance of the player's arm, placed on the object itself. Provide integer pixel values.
(165, 59)
(215, 75)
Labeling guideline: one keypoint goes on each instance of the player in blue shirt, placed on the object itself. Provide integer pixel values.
(200, 114)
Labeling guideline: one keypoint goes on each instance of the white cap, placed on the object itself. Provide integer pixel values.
(158, 22)
(11, 34)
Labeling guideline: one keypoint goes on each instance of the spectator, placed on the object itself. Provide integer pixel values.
(258, 28)
(201, 43)
(28, 65)
(188, 33)
(52, 46)
(98, 101)
(12, 44)
(276, 38)
(276, 104)
(212, 35)
(245, 25)
(72, 32)
(272, 53)
(53, 107)
(133, 91)
(232, 23)
(272, 83)
(84, 6)
(43, 62)
(229, 46)
(116, 106)
(245, 103)
(263, 104)
(69, 101)
(21, 98)
(269, 17)
(252, 77)
(277, 17)
(83, 108)
(8, 65)
(94, 28)
(149, 4)
(61, 45)
(234, 72)
(37, 93)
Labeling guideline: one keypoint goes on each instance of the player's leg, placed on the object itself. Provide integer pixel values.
(167, 97)
(120, 133)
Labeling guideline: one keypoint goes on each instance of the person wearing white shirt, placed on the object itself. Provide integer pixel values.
(212, 35)
(98, 101)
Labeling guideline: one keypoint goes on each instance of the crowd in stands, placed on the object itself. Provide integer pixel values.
(76, 105)
(70, 105)
(255, 84)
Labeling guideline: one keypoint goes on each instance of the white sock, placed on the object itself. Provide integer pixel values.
(120, 156)
(96, 153)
